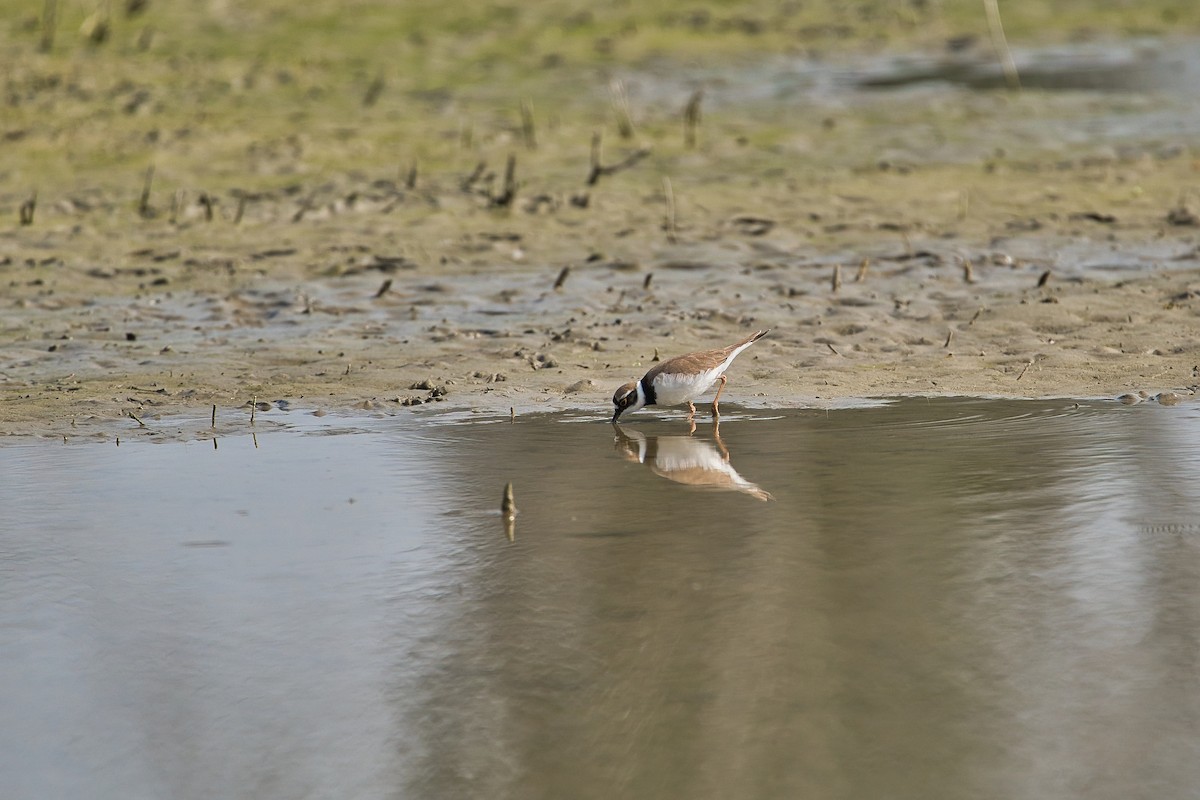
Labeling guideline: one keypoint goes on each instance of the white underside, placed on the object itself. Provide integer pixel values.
(676, 388)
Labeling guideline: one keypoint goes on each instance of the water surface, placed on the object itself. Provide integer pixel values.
(928, 598)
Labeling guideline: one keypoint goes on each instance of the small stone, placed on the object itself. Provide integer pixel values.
(1182, 216)
(579, 386)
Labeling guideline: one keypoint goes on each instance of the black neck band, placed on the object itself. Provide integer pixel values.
(648, 391)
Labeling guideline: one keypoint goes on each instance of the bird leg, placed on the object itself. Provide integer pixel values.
(717, 413)
(691, 409)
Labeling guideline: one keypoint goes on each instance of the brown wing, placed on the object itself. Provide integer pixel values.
(701, 360)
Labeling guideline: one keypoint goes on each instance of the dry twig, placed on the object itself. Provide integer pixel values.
(996, 29)
(691, 118)
(599, 170)
(562, 277)
(527, 127)
(669, 191)
(620, 104)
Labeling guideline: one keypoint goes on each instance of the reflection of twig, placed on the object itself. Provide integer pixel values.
(996, 28)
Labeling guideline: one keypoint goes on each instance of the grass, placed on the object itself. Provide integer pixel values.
(258, 96)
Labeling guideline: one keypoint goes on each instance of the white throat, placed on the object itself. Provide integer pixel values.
(641, 398)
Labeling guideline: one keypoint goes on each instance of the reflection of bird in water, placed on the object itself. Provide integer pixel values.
(687, 460)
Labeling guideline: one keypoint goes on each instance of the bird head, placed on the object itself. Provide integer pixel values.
(627, 398)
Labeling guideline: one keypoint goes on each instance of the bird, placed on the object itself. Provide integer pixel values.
(682, 379)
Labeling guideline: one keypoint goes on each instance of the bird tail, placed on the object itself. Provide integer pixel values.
(754, 337)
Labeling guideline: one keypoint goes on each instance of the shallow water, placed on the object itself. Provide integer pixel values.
(943, 598)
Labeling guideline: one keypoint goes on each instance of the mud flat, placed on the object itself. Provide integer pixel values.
(903, 324)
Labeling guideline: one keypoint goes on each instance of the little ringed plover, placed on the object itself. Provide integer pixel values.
(682, 379)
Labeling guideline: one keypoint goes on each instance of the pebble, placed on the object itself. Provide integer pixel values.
(579, 386)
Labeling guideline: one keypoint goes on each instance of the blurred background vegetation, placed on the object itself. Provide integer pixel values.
(254, 93)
